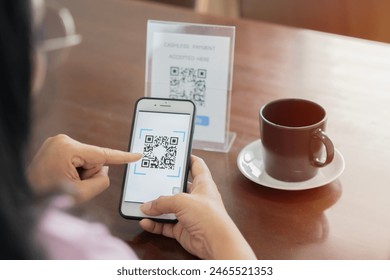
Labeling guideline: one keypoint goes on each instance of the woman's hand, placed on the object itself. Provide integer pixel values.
(204, 228)
(63, 161)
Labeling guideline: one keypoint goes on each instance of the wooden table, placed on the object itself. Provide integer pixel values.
(93, 94)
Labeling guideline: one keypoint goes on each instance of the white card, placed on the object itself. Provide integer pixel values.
(193, 66)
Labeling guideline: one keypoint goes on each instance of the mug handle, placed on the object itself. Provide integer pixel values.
(320, 135)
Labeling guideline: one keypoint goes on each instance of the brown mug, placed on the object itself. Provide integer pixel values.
(292, 133)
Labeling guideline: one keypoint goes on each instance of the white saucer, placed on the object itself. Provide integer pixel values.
(250, 163)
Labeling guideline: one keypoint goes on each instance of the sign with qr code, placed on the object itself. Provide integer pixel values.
(193, 62)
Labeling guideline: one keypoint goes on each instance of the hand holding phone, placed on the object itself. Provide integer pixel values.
(204, 227)
(162, 131)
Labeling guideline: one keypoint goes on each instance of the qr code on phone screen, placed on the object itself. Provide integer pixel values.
(159, 152)
(188, 83)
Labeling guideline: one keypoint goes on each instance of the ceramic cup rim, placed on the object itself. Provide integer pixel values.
(311, 126)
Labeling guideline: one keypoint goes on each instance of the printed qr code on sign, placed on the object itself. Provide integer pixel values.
(159, 152)
(188, 83)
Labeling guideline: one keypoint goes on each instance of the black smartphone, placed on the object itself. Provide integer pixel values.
(162, 131)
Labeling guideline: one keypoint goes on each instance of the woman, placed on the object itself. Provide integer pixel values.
(204, 227)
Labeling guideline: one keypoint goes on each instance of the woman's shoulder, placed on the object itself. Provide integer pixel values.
(64, 236)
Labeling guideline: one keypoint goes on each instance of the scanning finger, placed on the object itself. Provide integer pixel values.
(95, 154)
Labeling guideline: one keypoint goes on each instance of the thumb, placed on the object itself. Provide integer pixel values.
(91, 187)
(163, 205)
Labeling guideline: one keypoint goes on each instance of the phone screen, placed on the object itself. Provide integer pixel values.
(163, 139)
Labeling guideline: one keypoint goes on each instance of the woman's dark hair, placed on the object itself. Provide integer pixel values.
(16, 219)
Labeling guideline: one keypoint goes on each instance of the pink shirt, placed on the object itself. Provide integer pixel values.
(66, 237)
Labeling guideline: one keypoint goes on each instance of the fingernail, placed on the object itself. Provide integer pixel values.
(139, 155)
(146, 206)
(134, 157)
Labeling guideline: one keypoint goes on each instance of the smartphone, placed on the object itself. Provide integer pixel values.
(162, 131)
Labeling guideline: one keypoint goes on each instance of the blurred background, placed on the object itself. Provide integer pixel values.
(366, 19)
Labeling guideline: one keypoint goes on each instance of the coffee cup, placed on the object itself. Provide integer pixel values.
(294, 142)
